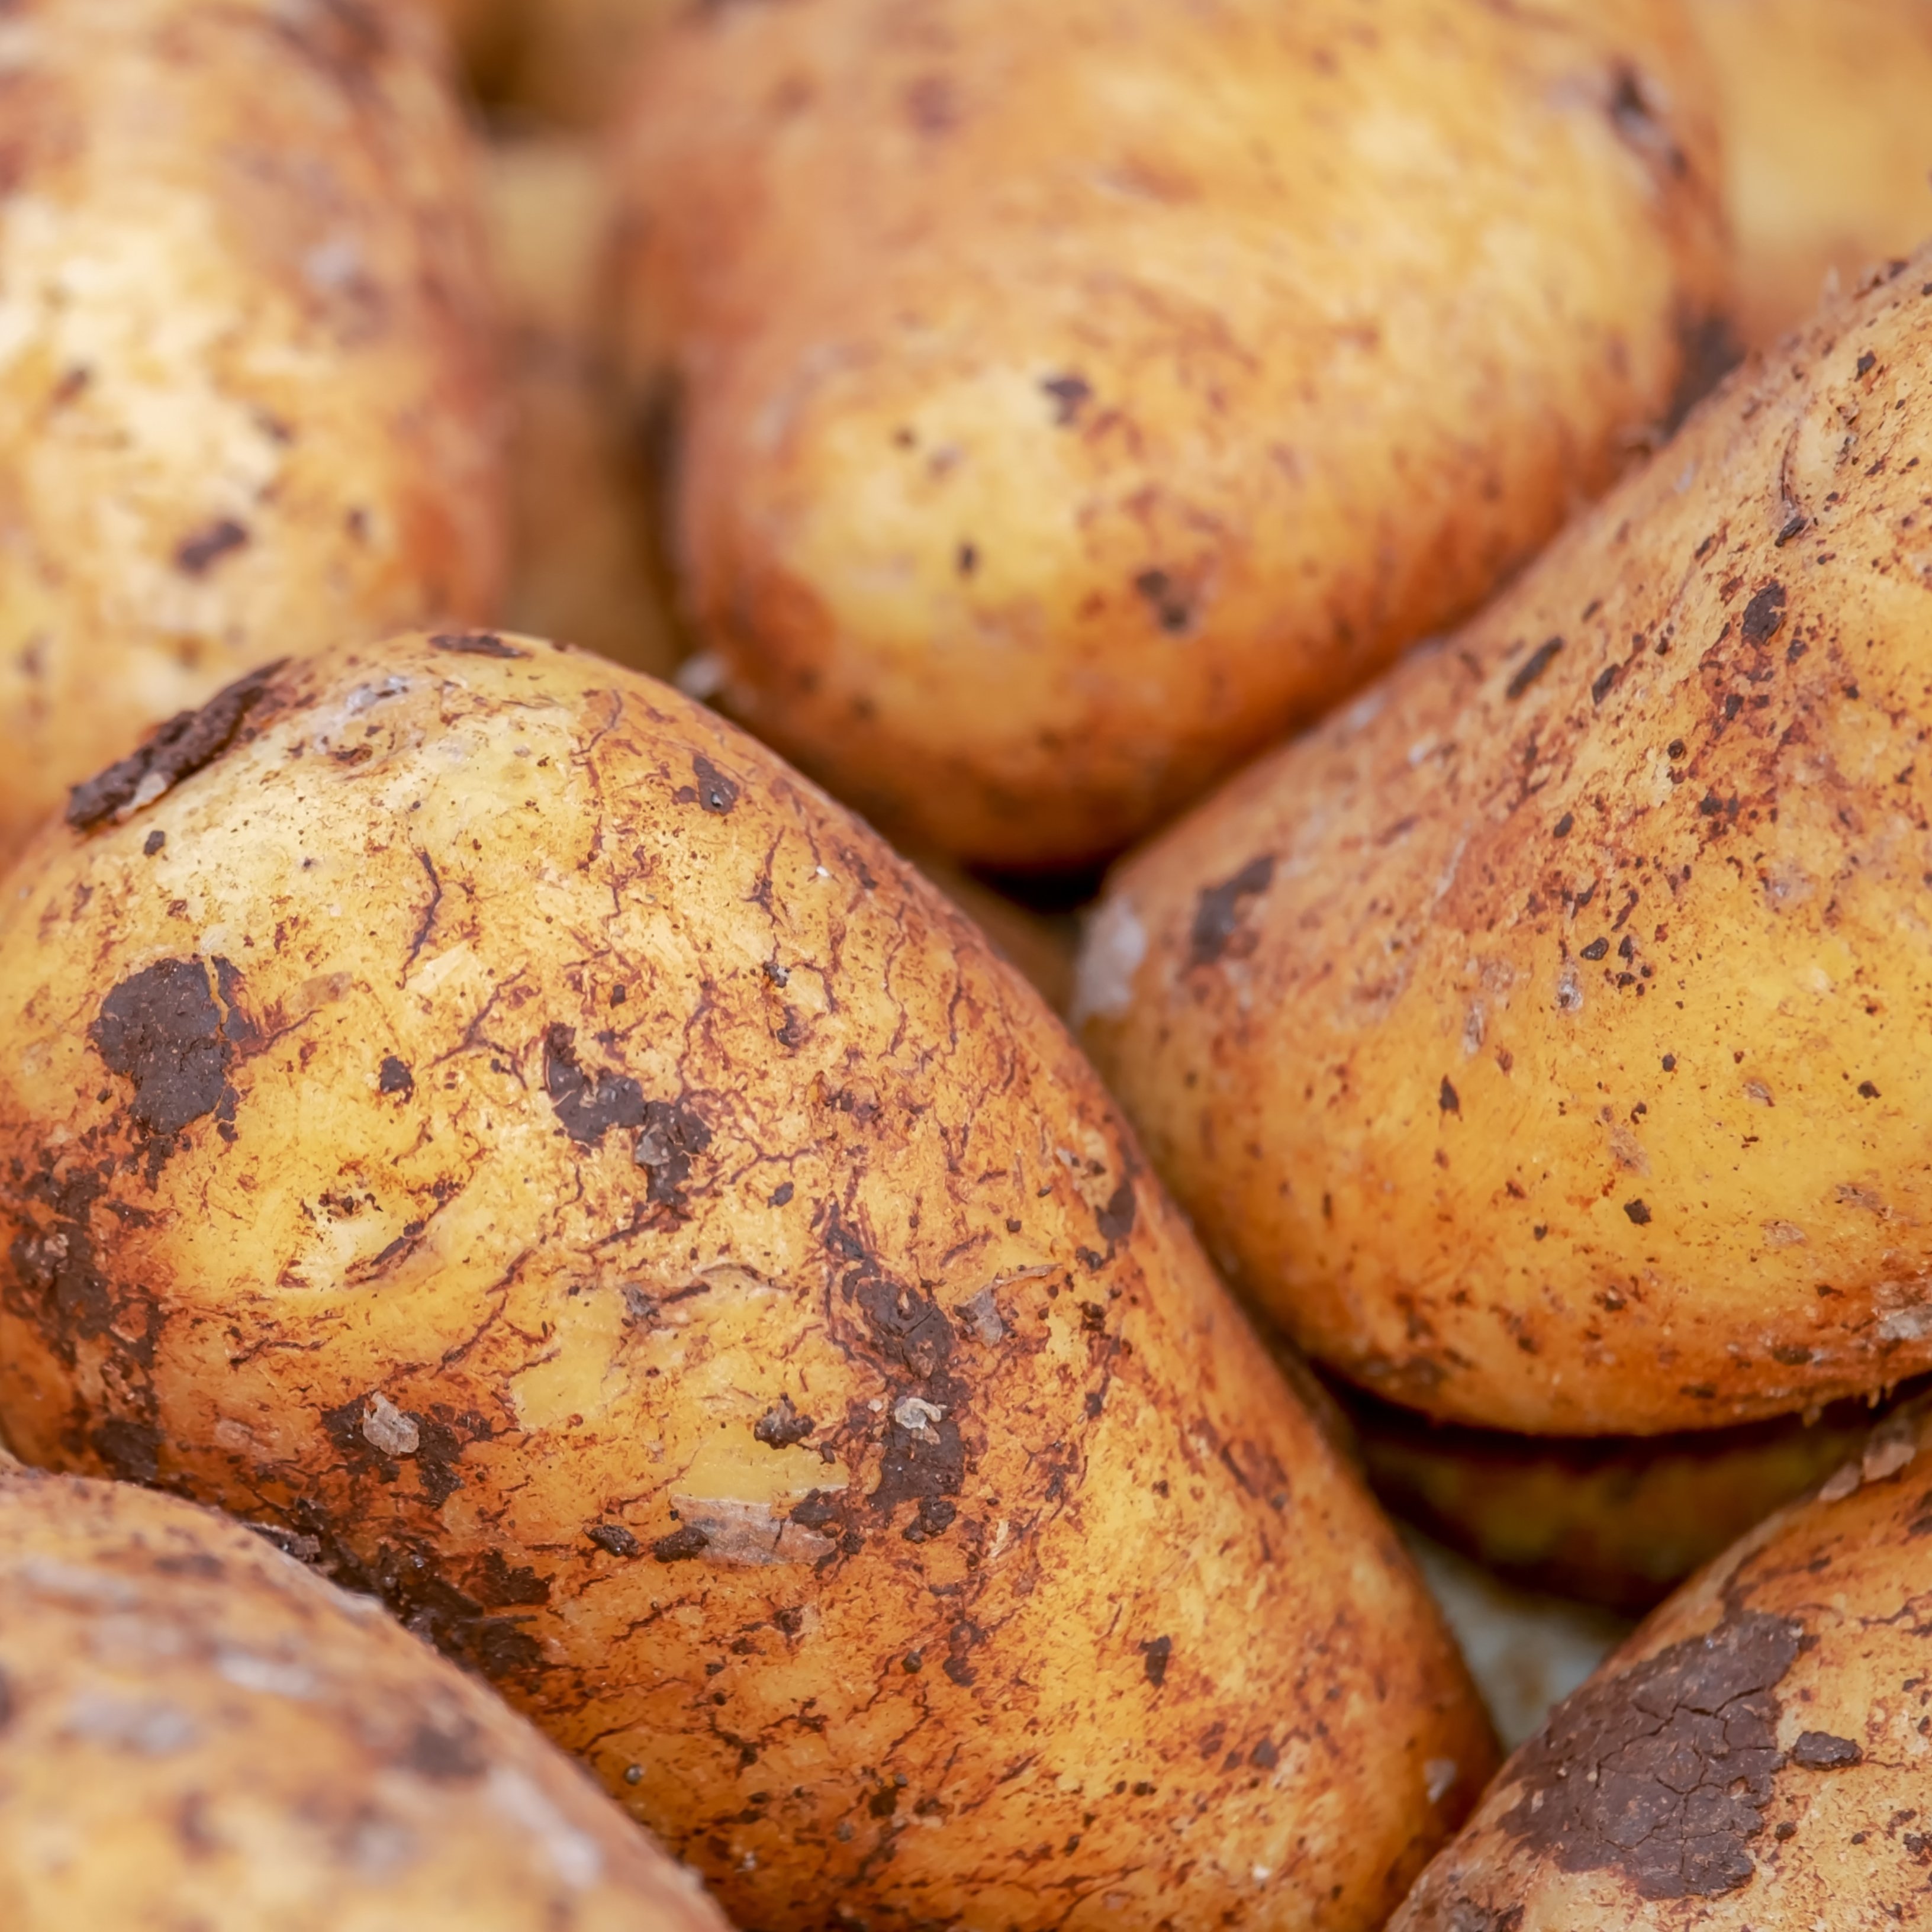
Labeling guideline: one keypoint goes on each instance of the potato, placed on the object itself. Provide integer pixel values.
(246, 403)
(583, 558)
(1753, 1757)
(194, 1732)
(1073, 398)
(1538, 1038)
(1615, 1520)
(497, 1122)
(1828, 144)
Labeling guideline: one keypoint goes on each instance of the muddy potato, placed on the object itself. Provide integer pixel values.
(1538, 1038)
(1619, 1521)
(1753, 1757)
(1073, 398)
(583, 563)
(195, 1731)
(1828, 145)
(496, 1122)
(245, 401)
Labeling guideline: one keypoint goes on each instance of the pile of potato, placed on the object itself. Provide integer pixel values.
(495, 1161)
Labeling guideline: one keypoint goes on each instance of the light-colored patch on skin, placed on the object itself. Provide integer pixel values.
(1115, 944)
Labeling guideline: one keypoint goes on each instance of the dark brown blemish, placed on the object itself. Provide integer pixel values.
(1819, 1751)
(162, 1029)
(184, 745)
(501, 1587)
(781, 1426)
(1071, 395)
(713, 791)
(153, 843)
(1154, 1656)
(1448, 1099)
(475, 644)
(614, 1538)
(197, 555)
(10, 1702)
(1597, 948)
(1532, 667)
(1115, 1219)
(1794, 526)
(936, 1517)
(1763, 616)
(1265, 1757)
(1605, 680)
(1638, 1212)
(447, 1749)
(132, 1450)
(1217, 911)
(1565, 825)
(588, 1105)
(1662, 1772)
(396, 1078)
(681, 1545)
(673, 1135)
(1172, 607)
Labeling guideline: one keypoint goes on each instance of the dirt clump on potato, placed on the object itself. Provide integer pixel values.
(1753, 1752)
(498, 1124)
(195, 1730)
(1067, 399)
(1537, 1039)
(246, 398)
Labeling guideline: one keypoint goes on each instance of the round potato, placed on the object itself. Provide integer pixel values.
(1073, 398)
(246, 402)
(1828, 146)
(584, 567)
(1753, 1757)
(498, 1123)
(1539, 1038)
(195, 1731)
(1616, 1520)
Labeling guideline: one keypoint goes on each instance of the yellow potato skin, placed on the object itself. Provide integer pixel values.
(1073, 398)
(198, 1732)
(1828, 146)
(655, 1243)
(584, 566)
(246, 399)
(1777, 1701)
(1537, 1038)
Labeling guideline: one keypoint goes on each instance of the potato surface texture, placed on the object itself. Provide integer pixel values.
(1538, 1038)
(1828, 146)
(1073, 398)
(196, 1731)
(245, 401)
(571, 1171)
(1754, 1758)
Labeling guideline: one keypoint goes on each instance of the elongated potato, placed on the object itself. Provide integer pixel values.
(1828, 144)
(1619, 1521)
(194, 1732)
(245, 400)
(497, 1122)
(1538, 1038)
(1754, 1759)
(1073, 396)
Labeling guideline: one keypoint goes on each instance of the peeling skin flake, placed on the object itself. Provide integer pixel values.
(385, 1427)
(1116, 944)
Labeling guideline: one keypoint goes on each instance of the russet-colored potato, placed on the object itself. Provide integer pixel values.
(196, 1731)
(1071, 398)
(246, 404)
(1538, 1038)
(1753, 1758)
(493, 1120)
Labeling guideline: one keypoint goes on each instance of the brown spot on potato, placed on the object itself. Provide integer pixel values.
(1448, 1100)
(1172, 606)
(1217, 911)
(186, 744)
(681, 1546)
(395, 1078)
(1532, 667)
(446, 1750)
(713, 791)
(1662, 1772)
(1763, 615)
(1115, 1217)
(475, 644)
(587, 1104)
(1155, 1655)
(1819, 1751)
(781, 1426)
(1070, 393)
(162, 1030)
(197, 555)
(614, 1538)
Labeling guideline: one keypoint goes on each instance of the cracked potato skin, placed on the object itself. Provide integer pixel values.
(1070, 399)
(246, 405)
(1753, 1756)
(570, 1172)
(1538, 1040)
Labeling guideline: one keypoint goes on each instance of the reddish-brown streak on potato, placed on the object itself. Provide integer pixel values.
(1666, 937)
(688, 1363)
